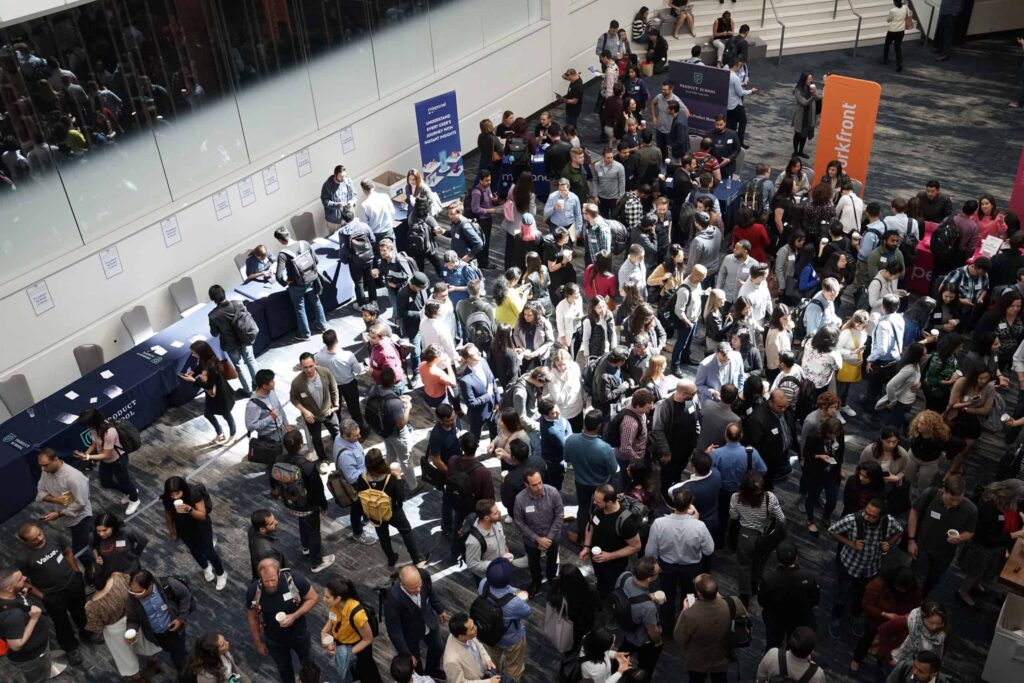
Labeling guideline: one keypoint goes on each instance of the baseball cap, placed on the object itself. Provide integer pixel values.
(420, 280)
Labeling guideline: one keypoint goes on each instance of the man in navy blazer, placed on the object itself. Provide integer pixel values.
(413, 614)
(724, 367)
(478, 392)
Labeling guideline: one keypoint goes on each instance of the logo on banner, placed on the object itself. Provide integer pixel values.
(846, 127)
(8, 438)
(86, 437)
(698, 77)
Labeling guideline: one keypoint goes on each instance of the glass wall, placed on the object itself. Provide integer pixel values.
(113, 109)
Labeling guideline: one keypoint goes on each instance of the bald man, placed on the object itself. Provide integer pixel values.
(278, 591)
(413, 615)
(772, 430)
(675, 432)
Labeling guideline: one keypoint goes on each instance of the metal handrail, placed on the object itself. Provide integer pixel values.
(782, 36)
(860, 20)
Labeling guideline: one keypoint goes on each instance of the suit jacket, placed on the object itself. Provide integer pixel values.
(320, 406)
(761, 430)
(703, 632)
(715, 416)
(407, 622)
(460, 665)
(475, 393)
(707, 379)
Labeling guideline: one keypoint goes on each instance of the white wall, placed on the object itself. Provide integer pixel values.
(990, 16)
(521, 74)
(13, 11)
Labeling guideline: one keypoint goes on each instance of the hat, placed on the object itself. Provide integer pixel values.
(420, 280)
(570, 72)
(499, 572)
(528, 219)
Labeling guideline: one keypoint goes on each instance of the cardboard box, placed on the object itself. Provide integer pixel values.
(1005, 661)
(390, 183)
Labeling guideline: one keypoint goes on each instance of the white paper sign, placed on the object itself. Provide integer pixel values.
(106, 374)
(111, 260)
(246, 191)
(348, 140)
(71, 395)
(93, 399)
(303, 162)
(39, 295)
(177, 344)
(990, 246)
(270, 184)
(158, 350)
(169, 227)
(221, 204)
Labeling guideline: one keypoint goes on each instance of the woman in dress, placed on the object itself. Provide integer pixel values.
(115, 547)
(105, 615)
(822, 469)
(437, 376)
(970, 404)
(380, 477)
(821, 359)
(220, 398)
(778, 340)
(852, 337)
(347, 635)
(566, 388)
(999, 524)
(187, 508)
(569, 317)
(599, 333)
(751, 507)
(211, 661)
(805, 117)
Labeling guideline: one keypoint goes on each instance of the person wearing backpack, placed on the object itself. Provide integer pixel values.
(358, 248)
(25, 629)
(615, 533)
(484, 538)
(792, 664)
(297, 272)
(187, 508)
(413, 616)
(159, 610)
(637, 615)
(503, 631)
(235, 329)
(706, 631)
(108, 449)
(349, 632)
(280, 591)
(298, 486)
(382, 495)
(788, 597)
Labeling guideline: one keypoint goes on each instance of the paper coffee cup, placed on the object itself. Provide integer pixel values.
(658, 597)
(280, 616)
(130, 634)
(595, 551)
(179, 503)
(952, 533)
(396, 469)
(327, 640)
(1005, 417)
(934, 333)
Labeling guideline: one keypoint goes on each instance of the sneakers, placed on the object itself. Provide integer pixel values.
(305, 551)
(848, 411)
(521, 562)
(133, 506)
(222, 581)
(842, 420)
(324, 564)
(835, 628)
(364, 538)
(208, 573)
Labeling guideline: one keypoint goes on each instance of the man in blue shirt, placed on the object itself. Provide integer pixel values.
(442, 445)
(509, 653)
(563, 209)
(350, 459)
(869, 240)
(593, 462)
(725, 146)
(733, 460)
(554, 430)
(736, 115)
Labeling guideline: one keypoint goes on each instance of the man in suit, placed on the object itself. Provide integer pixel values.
(771, 429)
(413, 615)
(314, 392)
(715, 416)
(465, 658)
(715, 371)
(476, 384)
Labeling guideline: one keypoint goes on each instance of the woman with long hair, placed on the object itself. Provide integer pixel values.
(739, 324)
(508, 302)
(510, 428)
(566, 388)
(784, 210)
(533, 337)
(106, 615)
(833, 177)
(805, 282)
(852, 337)
(779, 339)
(420, 226)
(748, 228)
(656, 381)
(785, 265)
(991, 221)
(927, 626)
(819, 213)
(970, 403)
(750, 507)
(999, 524)
(187, 508)
(599, 333)
(505, 362)
(521, 200)
(380, 477)
(984, 351)
(669, 274)
(220, 398)
(437, 375)
(211, 661)
(941, 371)
(823, 455)
(805, 117)
(643, 321)
(572, 589)
(115, 547)
(890, 456)
(930, 440)
(347, 635)
(1004, 318)
(569, 317)
(105, 448)
(901, 390)
(632, 297)
(917, 321)
(537, 277)
(600, 279)
(821, 359)
(950, 315)
(866, 484)
(489, 146)
(714, 319)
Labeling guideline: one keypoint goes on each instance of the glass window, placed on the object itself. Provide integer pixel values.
(503, 18)
(456, 29)
(401, 43)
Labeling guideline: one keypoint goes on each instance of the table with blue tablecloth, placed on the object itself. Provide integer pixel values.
(541, 186)
(728, 195)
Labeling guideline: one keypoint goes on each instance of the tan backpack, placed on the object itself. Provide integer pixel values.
(376, 504)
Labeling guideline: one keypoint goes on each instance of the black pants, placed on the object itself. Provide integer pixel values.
(551, 566)
(702, 676)
(175, 645)
(400, 522)
(201, 547)
(572, 114)
(737, 120)
(934, 568)
(65, 606)
(350, 393)
(606, 206)
(676, 581)
(365, 286)
(799, 141)
(316, 435)
(435, 260)
(483, 259)
(281, 653)
(607, 573)
(647, 655)
(510, 251)
(894, 38)
(947, 26)
(584, 498)
(778, 627)
(309, 536)
(435, 650)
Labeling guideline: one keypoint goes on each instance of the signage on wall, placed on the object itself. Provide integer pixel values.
(39, 295)
(846, 128)
(270, 184)
(705, 92)
(246, 191)
(111, 261)
(348, 141)
(170, 230)
(437, 124)
(221, 204)
(303, 162)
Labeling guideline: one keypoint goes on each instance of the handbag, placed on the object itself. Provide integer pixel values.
(227, 369)
(557, 627)
(909, 21)
(646, 68)
(343, 492)
(263, 451)
(773, 533)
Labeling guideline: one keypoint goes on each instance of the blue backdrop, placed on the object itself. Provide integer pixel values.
(437, 124)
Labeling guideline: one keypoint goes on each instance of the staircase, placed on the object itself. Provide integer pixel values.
(809, 26)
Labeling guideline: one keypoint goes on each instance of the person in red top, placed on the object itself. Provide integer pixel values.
(706, 162)
(599, 278)
(885, 596)
(755, 233)
(384, 353)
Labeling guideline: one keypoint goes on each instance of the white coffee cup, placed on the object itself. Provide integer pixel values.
(327, 640)
(130, 634)
(280, 616)
(952, 533)
(595, 551)
(179, 503)
(1005, 417)
(658, 597)
(396, 469)
(934, 333)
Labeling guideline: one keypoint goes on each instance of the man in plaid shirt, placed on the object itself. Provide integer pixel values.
(866, 537)
(971, 282)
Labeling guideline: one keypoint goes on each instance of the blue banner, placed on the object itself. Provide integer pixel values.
(437, 123)
(705, 92)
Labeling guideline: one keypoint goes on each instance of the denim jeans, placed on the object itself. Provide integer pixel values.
(344, 662)
(81, 539)
(684, 338)
(301, 296)
(209, 414)
(240, 357)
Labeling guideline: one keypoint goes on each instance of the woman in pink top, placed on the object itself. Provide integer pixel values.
(990, 221)
(599, 278)
(436, 373)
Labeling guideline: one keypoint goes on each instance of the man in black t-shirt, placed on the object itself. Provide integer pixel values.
(50, 565)
(25, 627)
(307, 511)
(573, 98)
(613, 532)
(290, 595)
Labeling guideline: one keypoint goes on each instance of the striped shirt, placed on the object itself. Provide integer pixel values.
(756, 517)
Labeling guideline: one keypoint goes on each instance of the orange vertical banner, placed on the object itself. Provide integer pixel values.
(846, 128)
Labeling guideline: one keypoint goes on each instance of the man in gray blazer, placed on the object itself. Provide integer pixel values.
(715, 415)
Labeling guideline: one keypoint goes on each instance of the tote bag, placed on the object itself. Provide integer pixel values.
(557, 627)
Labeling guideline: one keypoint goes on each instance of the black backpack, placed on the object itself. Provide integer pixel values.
(419, 241)
(360, 248)
(620, 236)
(783, 675)
(166, 588)
(806, 396)
(729, 53)
(301, 264)
(740, 628)
(515, 148)
(620, 606)
(468, 529)
(945, 239)
(459, 487)
(752, 197)
(375, 411)
(799, 324)
(372, 618)
(480, 329)
(487, 614)
(613, 430)
(127, 434)
(587, 376)
(244, 325)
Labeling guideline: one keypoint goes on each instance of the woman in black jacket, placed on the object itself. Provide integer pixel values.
(505, 362)
(220, 399)
(866, 484)
(380, 477)
(117, 548)
(822, 464)
(187, 509)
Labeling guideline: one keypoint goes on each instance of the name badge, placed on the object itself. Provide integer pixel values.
(937, 316)
(596, 521)
(791, 257)
(163, 608)
(304, 395)
(775, 431)
(689, 409)
(749, 411)
(936, 514)
(1001, 518)
(883, 259)
(529, 508)
(286, 596)
(332, 616)
(1002, 326)
(120, 544)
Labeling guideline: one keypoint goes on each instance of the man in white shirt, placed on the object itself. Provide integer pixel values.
(434, 330)
(755, 289)
(345, 367)
(378, 211)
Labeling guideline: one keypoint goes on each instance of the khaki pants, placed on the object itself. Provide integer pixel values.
(509, 660)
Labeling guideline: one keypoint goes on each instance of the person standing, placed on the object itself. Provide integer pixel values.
(264, 414)
(110, 453)
(235, 329)
(378, 212)
(805, 118)
(662, 118)
(314, 391)
(349, 632)
(509, 653)
(218, 399)
(788, 596)
(25, 628)
(394, 424)
(336, 194)
(345, 367)
(897, 28)
(674, 433)
(949, 12)
(573, 97)
(262, 538)
(643, 636)
(276, 592)
(68, 489)
(736, 115)
(297, 272)
(703, 631)
(752, 508)
(413, 615)
(594, 464)
(52, 570)
(465, 658)
(940, 520)
(1019, 104)
(538, 518)
(792, 660)
(158, 611)
(687, 312)
(615, 532)
(302, 492)
(187, 507)
(350, 460)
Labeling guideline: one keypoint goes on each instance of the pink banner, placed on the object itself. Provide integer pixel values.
(1017, 195)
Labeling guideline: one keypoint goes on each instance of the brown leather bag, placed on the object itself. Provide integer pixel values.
(227, 369)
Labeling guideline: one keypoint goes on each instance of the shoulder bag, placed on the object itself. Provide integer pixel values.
(558, 628)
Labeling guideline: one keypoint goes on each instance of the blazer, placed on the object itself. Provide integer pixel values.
(321, 408)
(761, 430)
(707, 379)
(459, 664)
(475, 393)
(406, 622)
(715, 416)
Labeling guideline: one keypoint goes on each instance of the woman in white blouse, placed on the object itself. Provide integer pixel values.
(568, 315)
(851, 347)
(597, 657)
(566, 389)
(779, 338)
(897, 28)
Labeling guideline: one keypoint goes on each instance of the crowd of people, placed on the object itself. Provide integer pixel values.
(618, 466)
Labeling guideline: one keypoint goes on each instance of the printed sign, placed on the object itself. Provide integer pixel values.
(437, 123)
(705, 92)
(846, 128)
